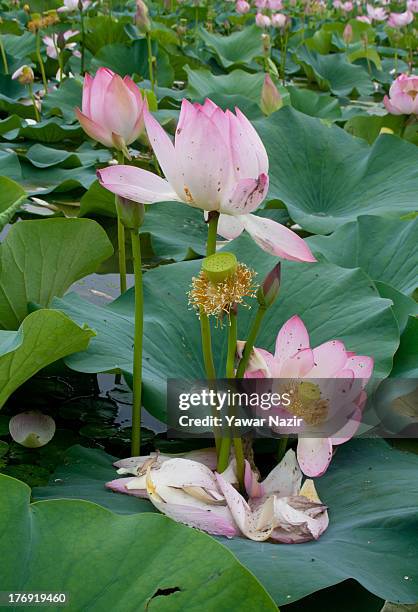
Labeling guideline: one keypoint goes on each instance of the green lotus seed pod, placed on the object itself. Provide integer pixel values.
(309, 392)
(219, 266)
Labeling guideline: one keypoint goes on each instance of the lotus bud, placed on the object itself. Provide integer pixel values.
(32, 429)
(24, 75)
(269, 289)
(348, 34)
(271, 99)
(130, 213)
(142, 19)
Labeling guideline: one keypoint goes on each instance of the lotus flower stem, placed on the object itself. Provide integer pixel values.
(232, 344)
(40, 61)
(212, 230)
(138, 334)
(150, 66)
(3, 56)
(35, 108)
(249, 345)
(204, 319)
(83, 42)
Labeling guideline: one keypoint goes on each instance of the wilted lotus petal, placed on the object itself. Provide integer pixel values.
(297, 517)
(130, 486)
(284, 480)
(32, 429)
(187, 492)
(139, 465)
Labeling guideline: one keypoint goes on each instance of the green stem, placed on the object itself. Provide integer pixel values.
(40, 62)
(122, 255)
(150, 66)
(61, 63)
(138, 334)
(281, 448)
(207, 346)
(249, 345)
(3, 56)
(204, 319)
(232, 344)
(212, 231)
(83, 42)
(225, 446)
(35, 108)
(121, 242)
(240, 459)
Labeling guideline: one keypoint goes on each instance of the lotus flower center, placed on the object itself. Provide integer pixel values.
(307, 403)
(217, 298)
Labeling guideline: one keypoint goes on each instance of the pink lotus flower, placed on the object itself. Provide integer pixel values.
(412, 5)
(400, 20)
(242, 7)
(189, 492)
(112, 109)
(376, 14)
(347, 6)
(263, 21)
(403, 96)
(364, 19)
(52, 43)
(279, 20)
(275, 5)
(217, 163)
(293, 358)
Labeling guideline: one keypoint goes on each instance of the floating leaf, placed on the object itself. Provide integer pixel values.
(71, 543)
(371, 490)
(387, 249)
(327, 178)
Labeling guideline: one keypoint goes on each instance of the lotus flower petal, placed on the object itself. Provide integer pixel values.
(32, 429)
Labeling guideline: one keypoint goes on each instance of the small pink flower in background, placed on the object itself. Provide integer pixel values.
(112, 109)
(400, 20)
(187, 490)
(271, 99)
(275, 5)
(263, 21)
(364, 19)
(294, 358)
(73, 5)
(261, 4)
(217, 163)
(242, 7)
(403, 96)
(52, 43)
(279, 20)
(376, 14)
(24, 75)
(412, 5)
(347, 6)
(337, 4)
(348, 34)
